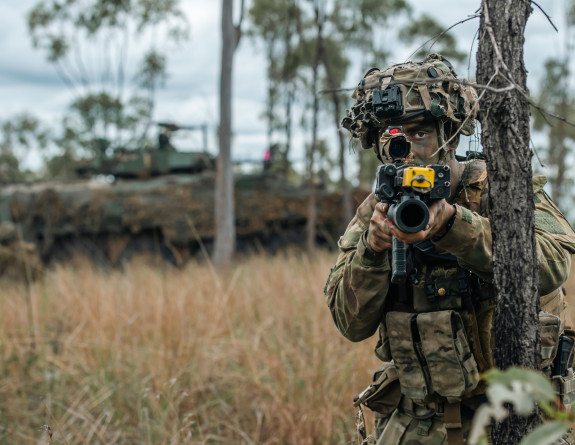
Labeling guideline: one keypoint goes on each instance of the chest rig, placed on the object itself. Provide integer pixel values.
(437, 283)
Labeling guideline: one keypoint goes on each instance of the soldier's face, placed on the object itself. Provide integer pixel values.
(424, 143)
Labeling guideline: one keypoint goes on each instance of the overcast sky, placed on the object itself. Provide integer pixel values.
(29, 83)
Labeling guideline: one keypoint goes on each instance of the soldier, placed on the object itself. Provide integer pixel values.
(435, 329)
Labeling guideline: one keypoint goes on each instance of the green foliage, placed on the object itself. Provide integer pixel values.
(18, 136)
(90, 43)
(271, 19)
(98, 121)
(555, 97)
(152, 70)
(60, 166)
(546, 433)
(525, 389)
(23, 130)
(436, 39)
(56, 25)
(361, 22)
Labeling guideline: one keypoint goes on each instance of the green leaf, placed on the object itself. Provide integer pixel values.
(537, 384)
(546, 433)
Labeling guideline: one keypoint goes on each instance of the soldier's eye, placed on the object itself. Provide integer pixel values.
(417, 135)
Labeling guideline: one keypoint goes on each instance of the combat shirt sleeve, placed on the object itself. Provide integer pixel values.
(470, 240)
(357, 285)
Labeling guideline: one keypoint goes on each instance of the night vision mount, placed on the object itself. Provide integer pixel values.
(387, 103)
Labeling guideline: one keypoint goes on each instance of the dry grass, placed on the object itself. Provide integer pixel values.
(155, 355)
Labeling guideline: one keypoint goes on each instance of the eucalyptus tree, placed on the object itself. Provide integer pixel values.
(277, 24)
(19, 136)
(555, 96)
(225, 229)
(504, 117)
(111, 54)
(367, 27)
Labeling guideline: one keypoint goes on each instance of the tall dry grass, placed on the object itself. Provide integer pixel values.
(156, 355)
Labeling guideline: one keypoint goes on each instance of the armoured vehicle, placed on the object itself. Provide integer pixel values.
(144, 163)
(161, 210)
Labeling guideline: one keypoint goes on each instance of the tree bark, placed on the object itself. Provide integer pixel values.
(311, 217)
(504, 119)
(345, 188)
(288, 82)
(225, 230)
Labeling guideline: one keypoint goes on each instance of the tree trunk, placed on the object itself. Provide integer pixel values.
(225, 232)
(288, 83)
(311, 217)
(345, 188)
(272, 92)
(505, 138)
(290, 97)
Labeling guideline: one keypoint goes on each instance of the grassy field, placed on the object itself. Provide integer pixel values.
(156, 355)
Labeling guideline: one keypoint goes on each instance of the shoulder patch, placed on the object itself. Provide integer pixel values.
(548, 223)
(466, 215)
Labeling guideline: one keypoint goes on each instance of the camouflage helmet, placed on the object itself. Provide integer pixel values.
(407, 92)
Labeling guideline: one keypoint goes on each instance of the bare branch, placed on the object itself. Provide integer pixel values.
(238, 27)
(546, 15)
(471, 51)
(492, 36)
(555, 116)
(441, 34)
(465, 82)
(536, 153)
(476, 106)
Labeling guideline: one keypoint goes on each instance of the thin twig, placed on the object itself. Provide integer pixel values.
(492, 36)
(471, 52)
(438, 36)
(546, 15)
(476, 105)
(555, 116)
(536, 154)
(464, 82)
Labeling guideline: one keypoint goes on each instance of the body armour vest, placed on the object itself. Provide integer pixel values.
(438, 324)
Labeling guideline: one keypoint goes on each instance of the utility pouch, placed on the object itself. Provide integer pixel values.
(384, 393)
(549, 331)
(565, 388)
(403, 336)
(562, 374)
(452, 367)
(564, 357)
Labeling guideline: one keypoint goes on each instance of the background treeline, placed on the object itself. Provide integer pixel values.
(113, 56)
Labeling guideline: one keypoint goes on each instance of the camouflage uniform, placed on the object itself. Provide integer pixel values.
(451, 278)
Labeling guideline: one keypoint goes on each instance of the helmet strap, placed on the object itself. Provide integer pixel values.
(445, 154)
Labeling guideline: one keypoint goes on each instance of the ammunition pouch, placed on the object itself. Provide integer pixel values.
(432, 355)
(563, 375)
(383, 394)
(549, 330)
(565, 388)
